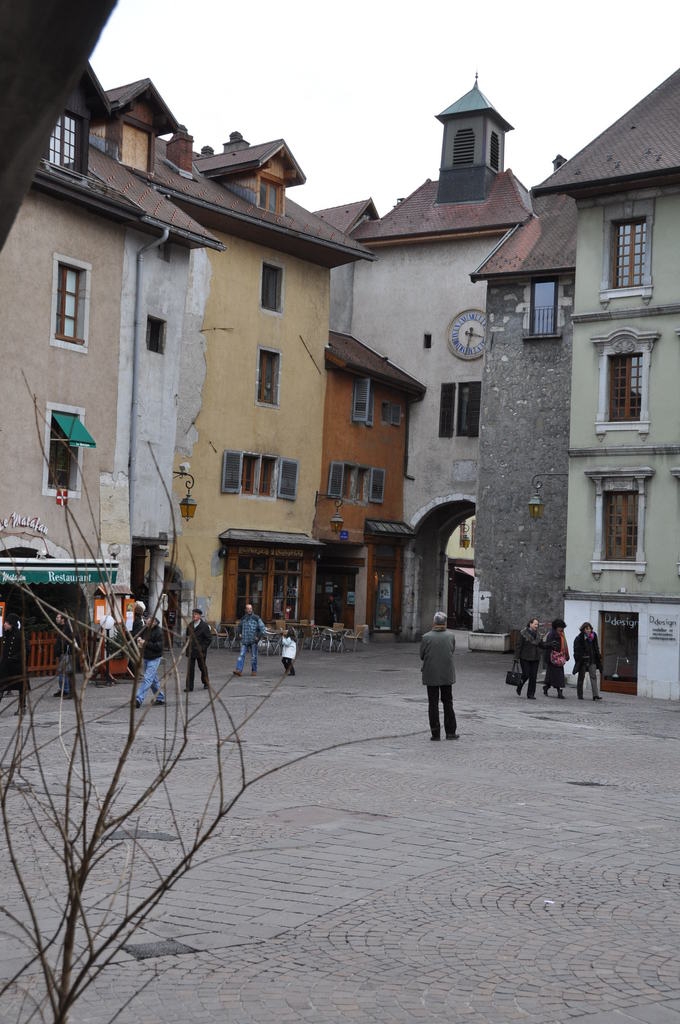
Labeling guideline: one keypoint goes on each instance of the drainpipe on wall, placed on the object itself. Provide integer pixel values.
(134, 406)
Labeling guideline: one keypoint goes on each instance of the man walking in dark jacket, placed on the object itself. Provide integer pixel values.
(199, 639)
(150, 641)
(439, 675)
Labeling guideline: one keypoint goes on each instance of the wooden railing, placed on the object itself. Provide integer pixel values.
(42, 660)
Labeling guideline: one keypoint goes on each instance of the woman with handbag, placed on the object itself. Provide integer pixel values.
(528, 653)
(557, 654)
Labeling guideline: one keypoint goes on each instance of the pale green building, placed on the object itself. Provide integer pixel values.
(623, 529)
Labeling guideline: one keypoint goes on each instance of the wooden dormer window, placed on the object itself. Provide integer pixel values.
(271, 196)
(65, 147)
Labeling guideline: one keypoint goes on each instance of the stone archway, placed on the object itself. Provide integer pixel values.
(425, 563)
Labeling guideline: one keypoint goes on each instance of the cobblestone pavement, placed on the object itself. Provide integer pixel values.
(528, 872)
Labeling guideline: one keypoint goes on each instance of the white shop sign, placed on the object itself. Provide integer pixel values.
(663, 627)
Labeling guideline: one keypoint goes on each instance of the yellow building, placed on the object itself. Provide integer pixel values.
(252, 392)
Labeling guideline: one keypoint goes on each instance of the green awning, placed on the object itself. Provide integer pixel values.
(74, 430)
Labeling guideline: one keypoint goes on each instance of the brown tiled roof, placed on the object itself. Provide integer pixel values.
(347, 217)
(421, 215)
(643, 144)
(349, 353)
(146, 199)
(208, 197)
(238, 160)
(546, 243)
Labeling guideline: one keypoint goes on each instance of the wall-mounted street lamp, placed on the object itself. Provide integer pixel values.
(536, 505)
(187, 505)
(464, 536)
(336, 520)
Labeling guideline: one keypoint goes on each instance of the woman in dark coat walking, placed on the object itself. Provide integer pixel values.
(14, 660)
(557, 654)
(587, 659)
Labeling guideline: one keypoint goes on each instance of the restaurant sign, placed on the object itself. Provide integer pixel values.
(56, 571)
(16, 522)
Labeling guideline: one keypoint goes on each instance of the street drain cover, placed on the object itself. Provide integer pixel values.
(166, 947)
(162, 837)
(573, 782)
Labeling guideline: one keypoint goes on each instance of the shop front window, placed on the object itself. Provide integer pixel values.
(286, 588)
(619, 640)
(383, 601)
(250, 584)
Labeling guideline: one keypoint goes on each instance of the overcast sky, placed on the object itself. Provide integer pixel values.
(353, 87)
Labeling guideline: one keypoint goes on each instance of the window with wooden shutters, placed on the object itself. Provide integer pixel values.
(391, 413)
(288, 479)
(376, 486)
(231, 472)
(267, 471)
(620, 524)
(625, 386)
(362, 401)
(469, 401)
(268, 370)
(629, 253)
(249, 468)
(65, 145)
(272, 282)
(335, 479)
(447, 399)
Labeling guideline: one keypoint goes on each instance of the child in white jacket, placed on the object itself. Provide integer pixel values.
(288, 651)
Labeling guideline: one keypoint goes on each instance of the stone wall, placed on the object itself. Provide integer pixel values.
(519, 561)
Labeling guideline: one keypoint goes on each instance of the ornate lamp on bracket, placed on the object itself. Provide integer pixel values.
(336, 520)
(187, 505)
(536, 505)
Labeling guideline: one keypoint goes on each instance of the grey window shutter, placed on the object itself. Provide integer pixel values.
(231, 472)
(288, 479)
(336, 479)
(361, 400)
(376, 486)
(475, 402)
(446, 405)
(395, 414)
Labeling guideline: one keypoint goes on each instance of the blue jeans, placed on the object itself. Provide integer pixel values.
(65, 674)
(242, 656)
(151, 681)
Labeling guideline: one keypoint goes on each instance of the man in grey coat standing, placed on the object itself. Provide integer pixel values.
(439, 675)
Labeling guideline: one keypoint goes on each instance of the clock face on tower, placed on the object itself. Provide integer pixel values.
(467, 334)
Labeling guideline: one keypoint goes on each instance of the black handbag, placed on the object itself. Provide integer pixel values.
(514, 676)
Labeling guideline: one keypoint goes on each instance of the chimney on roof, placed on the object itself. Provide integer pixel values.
(180, 149)
(207, 151)
(236, 141)
(558, 161)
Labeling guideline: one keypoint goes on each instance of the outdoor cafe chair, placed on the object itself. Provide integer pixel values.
(353, 635)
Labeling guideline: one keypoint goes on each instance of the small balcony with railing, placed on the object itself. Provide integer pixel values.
(542, 322)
